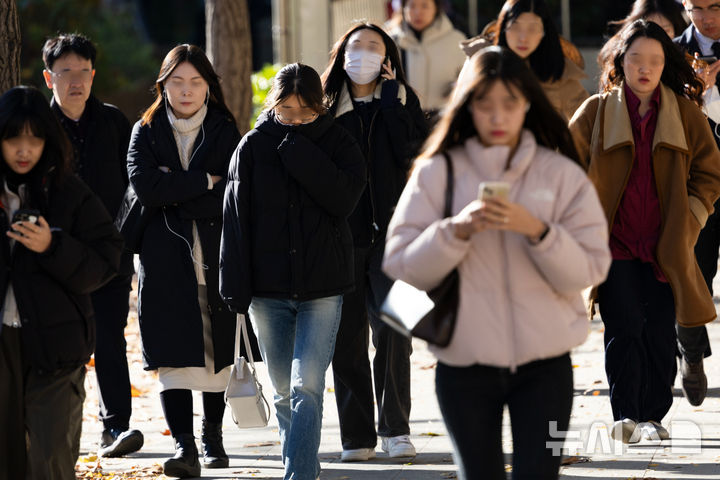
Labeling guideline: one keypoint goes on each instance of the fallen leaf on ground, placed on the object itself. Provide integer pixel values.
(165, 432)
(431, 434)
(260, 444)
(573, 460)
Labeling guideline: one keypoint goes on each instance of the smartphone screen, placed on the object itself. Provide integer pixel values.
(488, 190)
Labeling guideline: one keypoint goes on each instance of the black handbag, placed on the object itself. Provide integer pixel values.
(429, 315)
(132, 219)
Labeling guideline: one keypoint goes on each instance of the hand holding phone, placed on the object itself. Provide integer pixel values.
(488, 190)
(26, 215)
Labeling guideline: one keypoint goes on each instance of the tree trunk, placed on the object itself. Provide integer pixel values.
(9, 45)
(227, 36)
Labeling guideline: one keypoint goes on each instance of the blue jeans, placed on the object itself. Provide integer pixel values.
(297, 341)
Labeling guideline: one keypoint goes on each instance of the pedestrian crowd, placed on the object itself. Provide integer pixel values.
(417, 156)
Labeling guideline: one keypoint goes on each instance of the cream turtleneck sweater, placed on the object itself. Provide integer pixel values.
(185, 131)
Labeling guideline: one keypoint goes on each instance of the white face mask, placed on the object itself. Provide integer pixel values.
(362, 66)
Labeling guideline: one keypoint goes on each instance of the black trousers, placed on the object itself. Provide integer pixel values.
(111, 305)
(693, 342)
(42, 413)
(351, 366)
(639, 316)
(472, 399)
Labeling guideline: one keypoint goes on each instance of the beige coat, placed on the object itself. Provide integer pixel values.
(686, 163)
(434, 63)
(518, 302)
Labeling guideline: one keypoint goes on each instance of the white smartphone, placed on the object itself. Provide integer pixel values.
(488, 190)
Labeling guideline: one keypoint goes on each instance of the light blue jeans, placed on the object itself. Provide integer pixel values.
(297, 341)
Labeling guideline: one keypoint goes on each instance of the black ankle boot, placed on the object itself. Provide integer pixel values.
(214, 455)
(185, 463)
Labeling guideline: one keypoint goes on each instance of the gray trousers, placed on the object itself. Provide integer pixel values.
(44, 416)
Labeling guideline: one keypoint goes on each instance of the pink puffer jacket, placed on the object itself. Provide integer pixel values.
(518, 302)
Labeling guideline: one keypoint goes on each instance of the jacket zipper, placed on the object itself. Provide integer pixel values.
(371, 193)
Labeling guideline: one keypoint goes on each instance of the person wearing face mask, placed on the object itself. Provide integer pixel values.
(177, 162)
(651, 155)
(58, 245)
(99, 134)
(428, 49)
(369, 96)
(287, 257)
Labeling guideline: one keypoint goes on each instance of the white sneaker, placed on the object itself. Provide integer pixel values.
(399, 446)
(653, 430)
(357, 455)
(626, 431)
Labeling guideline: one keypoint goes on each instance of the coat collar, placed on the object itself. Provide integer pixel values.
(345, 102)
(490, 162)
(440, 27)
(617, 128)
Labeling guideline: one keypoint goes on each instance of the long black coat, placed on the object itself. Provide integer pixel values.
(390, 139)
(52, 289)
(101, 161)
(289, 193)
(168, 308)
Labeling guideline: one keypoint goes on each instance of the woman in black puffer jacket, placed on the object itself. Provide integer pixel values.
(64, 249)
(286, 254)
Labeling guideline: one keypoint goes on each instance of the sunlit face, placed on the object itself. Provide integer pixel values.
(70, 80)
(662, 20)
(186, 90)
(524, 34)
(643, 65)
(499, 114)
(294, 111)
(705, 15)
(367, 40)
(419, 14)
(23, 152)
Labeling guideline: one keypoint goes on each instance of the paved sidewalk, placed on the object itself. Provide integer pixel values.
(692, 453)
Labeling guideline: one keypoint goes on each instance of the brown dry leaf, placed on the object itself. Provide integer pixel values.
(449, 475)
(429, 366)
(134, 392)
(260, 444)
(431, 434)
(596, 393)
(573, 460)
(165, 432)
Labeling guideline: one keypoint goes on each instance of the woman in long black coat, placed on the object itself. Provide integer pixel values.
(177, 162)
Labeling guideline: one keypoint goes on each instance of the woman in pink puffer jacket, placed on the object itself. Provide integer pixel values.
(523, 263)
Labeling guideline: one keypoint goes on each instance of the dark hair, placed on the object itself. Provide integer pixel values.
(548, 60)
(197, 58)
(297, 79)
(499, 64)
(27, 108)
(642, 9)
(65, 43)
(334, 76)
(399, 16)
(677, 74)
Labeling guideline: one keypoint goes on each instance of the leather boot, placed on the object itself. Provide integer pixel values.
(185, 463)
(214, 455)
(694, 381)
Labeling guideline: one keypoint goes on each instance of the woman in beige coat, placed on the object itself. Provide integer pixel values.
(654, 162)
(523, 262)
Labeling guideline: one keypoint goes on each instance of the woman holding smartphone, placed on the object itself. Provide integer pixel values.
(651, 155)
(523, 262)
(177, 162)
(370, 97)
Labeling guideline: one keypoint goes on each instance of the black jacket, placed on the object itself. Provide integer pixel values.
(168, 308)
(290, 191)
(52, 289)
(390, 142)
(101, 159)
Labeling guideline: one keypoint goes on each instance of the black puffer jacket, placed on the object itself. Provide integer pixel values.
(289, 193)
(168, 308)
(52, 289)
(390, 137)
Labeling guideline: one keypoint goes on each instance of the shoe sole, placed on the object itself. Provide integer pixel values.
(180, 470)
(402, 454)
(224, 463)
(125, 447)
(358, 458)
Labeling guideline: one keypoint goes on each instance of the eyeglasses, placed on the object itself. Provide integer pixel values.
(295, 120)
(526, 28)
(710, 11)
(73, 76)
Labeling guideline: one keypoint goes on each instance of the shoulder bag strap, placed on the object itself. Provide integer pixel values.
(449, 189)
(242, 333)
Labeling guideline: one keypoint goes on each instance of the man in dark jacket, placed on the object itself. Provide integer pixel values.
(702, 39)
(99, 134)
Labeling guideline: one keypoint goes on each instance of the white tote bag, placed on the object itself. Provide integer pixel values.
(244, 393)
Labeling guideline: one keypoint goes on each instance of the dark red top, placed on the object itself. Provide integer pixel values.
(636, 230)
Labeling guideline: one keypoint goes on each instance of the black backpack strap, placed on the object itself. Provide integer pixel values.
(449, 189)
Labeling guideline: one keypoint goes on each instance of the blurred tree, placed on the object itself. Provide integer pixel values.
(229, 48)
(9, 45)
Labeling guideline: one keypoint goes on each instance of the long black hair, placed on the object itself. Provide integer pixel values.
(196, 57)
(297, 79)
(499, 64)
(548, 60)
(334, 77)
(677, 74)
(26, 108)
